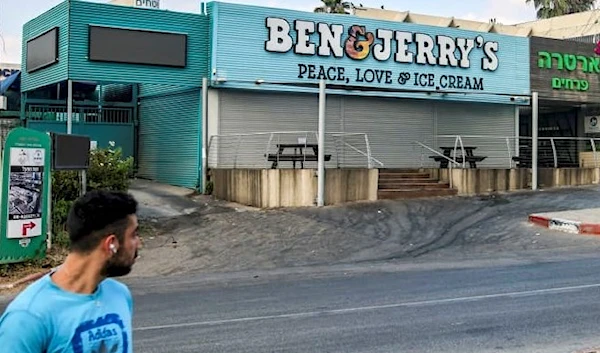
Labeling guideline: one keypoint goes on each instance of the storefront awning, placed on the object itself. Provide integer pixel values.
(9, 81)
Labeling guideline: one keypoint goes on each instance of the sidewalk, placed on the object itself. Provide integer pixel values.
(585, 221)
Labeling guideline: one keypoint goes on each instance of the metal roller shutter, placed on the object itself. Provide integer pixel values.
(169, 138)
(392, 126)
(488, 125)
(262, 113)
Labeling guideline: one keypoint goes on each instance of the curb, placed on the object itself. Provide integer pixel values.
(565, 225)
(24, 280)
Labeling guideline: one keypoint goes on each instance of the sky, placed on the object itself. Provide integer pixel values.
(15, 13)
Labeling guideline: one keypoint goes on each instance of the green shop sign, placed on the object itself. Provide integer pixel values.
(25, 186)
(569, 63)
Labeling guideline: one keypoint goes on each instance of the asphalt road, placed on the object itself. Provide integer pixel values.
(533, 307)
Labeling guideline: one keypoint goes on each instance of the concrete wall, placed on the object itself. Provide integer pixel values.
(549, 177)
(272, 188)
(470, 182)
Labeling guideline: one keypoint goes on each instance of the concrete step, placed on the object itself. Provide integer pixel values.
(408, 181)
(405, 186)
(399, 170)
(413, 194)
(404, 176)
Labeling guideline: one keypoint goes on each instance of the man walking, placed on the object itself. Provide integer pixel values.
(78, 308)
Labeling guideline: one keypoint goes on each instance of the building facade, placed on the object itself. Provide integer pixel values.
(398, 83)
(393, 89)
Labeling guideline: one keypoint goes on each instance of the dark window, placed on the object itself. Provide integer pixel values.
(137, 46)
(42, 51)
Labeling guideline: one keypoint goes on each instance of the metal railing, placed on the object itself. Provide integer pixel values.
(514, 152)
(449, 159)
(251, 150)
(92, 115)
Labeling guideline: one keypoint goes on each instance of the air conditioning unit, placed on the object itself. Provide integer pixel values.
(3, 103)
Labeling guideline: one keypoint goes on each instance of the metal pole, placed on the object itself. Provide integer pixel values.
(69, 106)
(204, 132)
(49, 217)
(321, 157)
(83, 182)
(534, 141)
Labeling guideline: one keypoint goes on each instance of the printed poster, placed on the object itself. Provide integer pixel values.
(26, 185)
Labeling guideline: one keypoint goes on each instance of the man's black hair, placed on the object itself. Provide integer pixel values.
(96, 215)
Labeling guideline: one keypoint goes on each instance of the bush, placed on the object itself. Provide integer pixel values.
(108, 170)
(209, 188)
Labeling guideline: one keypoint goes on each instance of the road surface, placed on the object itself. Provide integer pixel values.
(533, 307)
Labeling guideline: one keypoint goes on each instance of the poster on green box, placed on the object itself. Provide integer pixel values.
(25, 194)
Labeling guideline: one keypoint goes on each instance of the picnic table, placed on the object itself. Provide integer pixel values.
(468, 157)
(299, 154)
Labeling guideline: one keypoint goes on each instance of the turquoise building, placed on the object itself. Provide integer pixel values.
(135, 76)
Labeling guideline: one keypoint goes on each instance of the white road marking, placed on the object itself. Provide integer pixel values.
(371, 308)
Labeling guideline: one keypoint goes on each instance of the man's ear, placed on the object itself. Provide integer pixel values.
(110, 244)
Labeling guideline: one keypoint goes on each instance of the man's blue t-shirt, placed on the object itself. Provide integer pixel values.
(46, 319)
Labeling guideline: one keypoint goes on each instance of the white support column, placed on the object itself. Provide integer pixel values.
(204, 132)
(517, 130)
(321, 157)
(534, 141)
(69, 106)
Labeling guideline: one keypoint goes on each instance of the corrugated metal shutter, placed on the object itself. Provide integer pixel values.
(260, 113)
(493, 123)
(392, 126)
(169, 138)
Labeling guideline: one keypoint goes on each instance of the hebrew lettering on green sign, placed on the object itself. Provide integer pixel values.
(594, 65)
(544, 60)
(556, 83)
(584, 85)
(559, 59)
(584, 62)
(570, 62)
(570, 84)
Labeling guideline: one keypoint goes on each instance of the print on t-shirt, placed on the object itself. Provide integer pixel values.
(104, 335)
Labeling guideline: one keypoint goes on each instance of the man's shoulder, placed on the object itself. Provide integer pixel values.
(31, 298)
(115, 286)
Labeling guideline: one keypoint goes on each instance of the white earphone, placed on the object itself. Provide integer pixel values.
(113, 248)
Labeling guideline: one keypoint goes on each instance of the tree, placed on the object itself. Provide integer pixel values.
(553, 8)
(334, 6)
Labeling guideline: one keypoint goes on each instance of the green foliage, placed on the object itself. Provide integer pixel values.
(553, 8)
(108, 170)
(334, 6)
(209, 188)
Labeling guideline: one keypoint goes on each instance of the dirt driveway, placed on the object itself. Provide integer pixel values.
(196, 233)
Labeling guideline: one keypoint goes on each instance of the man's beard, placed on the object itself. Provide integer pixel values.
(118, 266)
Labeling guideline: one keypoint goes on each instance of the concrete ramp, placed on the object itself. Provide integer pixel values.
(158, 200)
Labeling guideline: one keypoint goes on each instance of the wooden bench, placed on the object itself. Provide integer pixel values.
(276, 158)
(472, 160)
